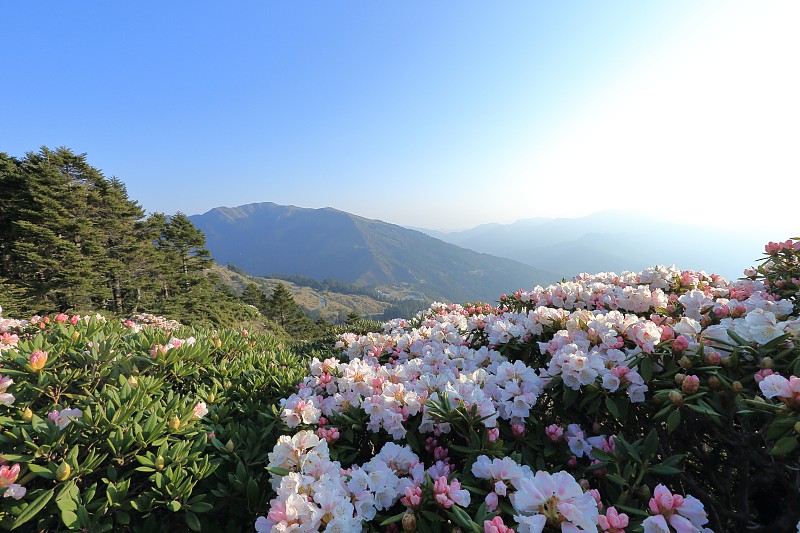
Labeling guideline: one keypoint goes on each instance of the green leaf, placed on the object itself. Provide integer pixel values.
(174, 506)
(612, 407)
(650, 444)
(674, 420)
(646, 369)
(393, 519)
(192, 521)
(784, 445)
(33, 508)
(665, 470)
(41, 471)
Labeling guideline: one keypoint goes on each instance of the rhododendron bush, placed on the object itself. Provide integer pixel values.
(658, 401)
(137, 425)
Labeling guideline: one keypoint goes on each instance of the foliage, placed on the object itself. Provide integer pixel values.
(129, 428)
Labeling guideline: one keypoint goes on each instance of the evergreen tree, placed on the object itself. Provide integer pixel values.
(253, 295)
(282, 309)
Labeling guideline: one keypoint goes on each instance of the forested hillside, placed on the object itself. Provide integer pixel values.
(71, 239)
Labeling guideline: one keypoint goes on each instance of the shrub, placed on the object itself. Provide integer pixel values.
(658, 401)
(144, 428)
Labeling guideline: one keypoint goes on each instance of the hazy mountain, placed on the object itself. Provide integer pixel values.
(267, 238)
(617, 241)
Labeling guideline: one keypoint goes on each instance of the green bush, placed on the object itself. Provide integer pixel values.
(128, 428)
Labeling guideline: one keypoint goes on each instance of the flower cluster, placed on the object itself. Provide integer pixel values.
(684, 514)
(174, 342)
(8, 475)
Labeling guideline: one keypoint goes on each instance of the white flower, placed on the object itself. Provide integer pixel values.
(558, 498)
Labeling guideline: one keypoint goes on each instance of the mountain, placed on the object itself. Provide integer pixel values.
(267, 238)
(616, 241)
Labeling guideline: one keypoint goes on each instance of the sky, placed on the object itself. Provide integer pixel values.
(443, 115)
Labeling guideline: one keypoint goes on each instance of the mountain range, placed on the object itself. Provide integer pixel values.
(266, 238)
(614, 241)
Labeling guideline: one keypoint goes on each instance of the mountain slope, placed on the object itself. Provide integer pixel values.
(324, 243)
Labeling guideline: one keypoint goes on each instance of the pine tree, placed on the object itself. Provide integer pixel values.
(282, 309)
(253, 295)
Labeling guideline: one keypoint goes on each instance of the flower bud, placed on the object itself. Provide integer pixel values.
(767, 362)
(133, 381)
(175, 423)
(230, 446)
(714, 382)
(63, 471)
(409, 522)
(690, 384)
(217, 343)
(685, 362)
(797, 427)
(75, 336)
(736, 387)
(27, 414)
(212, 397)
(159, 462)
(644, 493)
(676, 397)
(679, 378)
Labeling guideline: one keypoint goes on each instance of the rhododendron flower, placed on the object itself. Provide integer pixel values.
(14, 491)
(446, 495)
(613, 522)
(8, 475)
(690, 384)
(64, 417)
(6, 398)
(496, 525)
(200, 410)
(554, 499)
(38, 360)
(683, 514)
(554, 432)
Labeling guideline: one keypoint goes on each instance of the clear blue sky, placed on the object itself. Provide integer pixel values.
(438, 114)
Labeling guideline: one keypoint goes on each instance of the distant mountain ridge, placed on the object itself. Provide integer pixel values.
(616, 241)
(266, 238)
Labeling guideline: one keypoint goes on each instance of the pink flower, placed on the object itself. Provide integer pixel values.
(38, 360)
(613, 522)
(64, 417)
(496, 525)
(74, 319)
(683, 514)
(690, 384)
(61, 318)
(680, 344)
(8, 475)
(492, 501)
(493, 434)
(446, 495)
(518, 430)
(554, 432)
(412, 498)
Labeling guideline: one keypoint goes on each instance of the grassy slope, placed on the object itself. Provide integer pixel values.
(309, 299)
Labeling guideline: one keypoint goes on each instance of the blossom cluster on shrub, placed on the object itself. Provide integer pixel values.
(582, 406)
